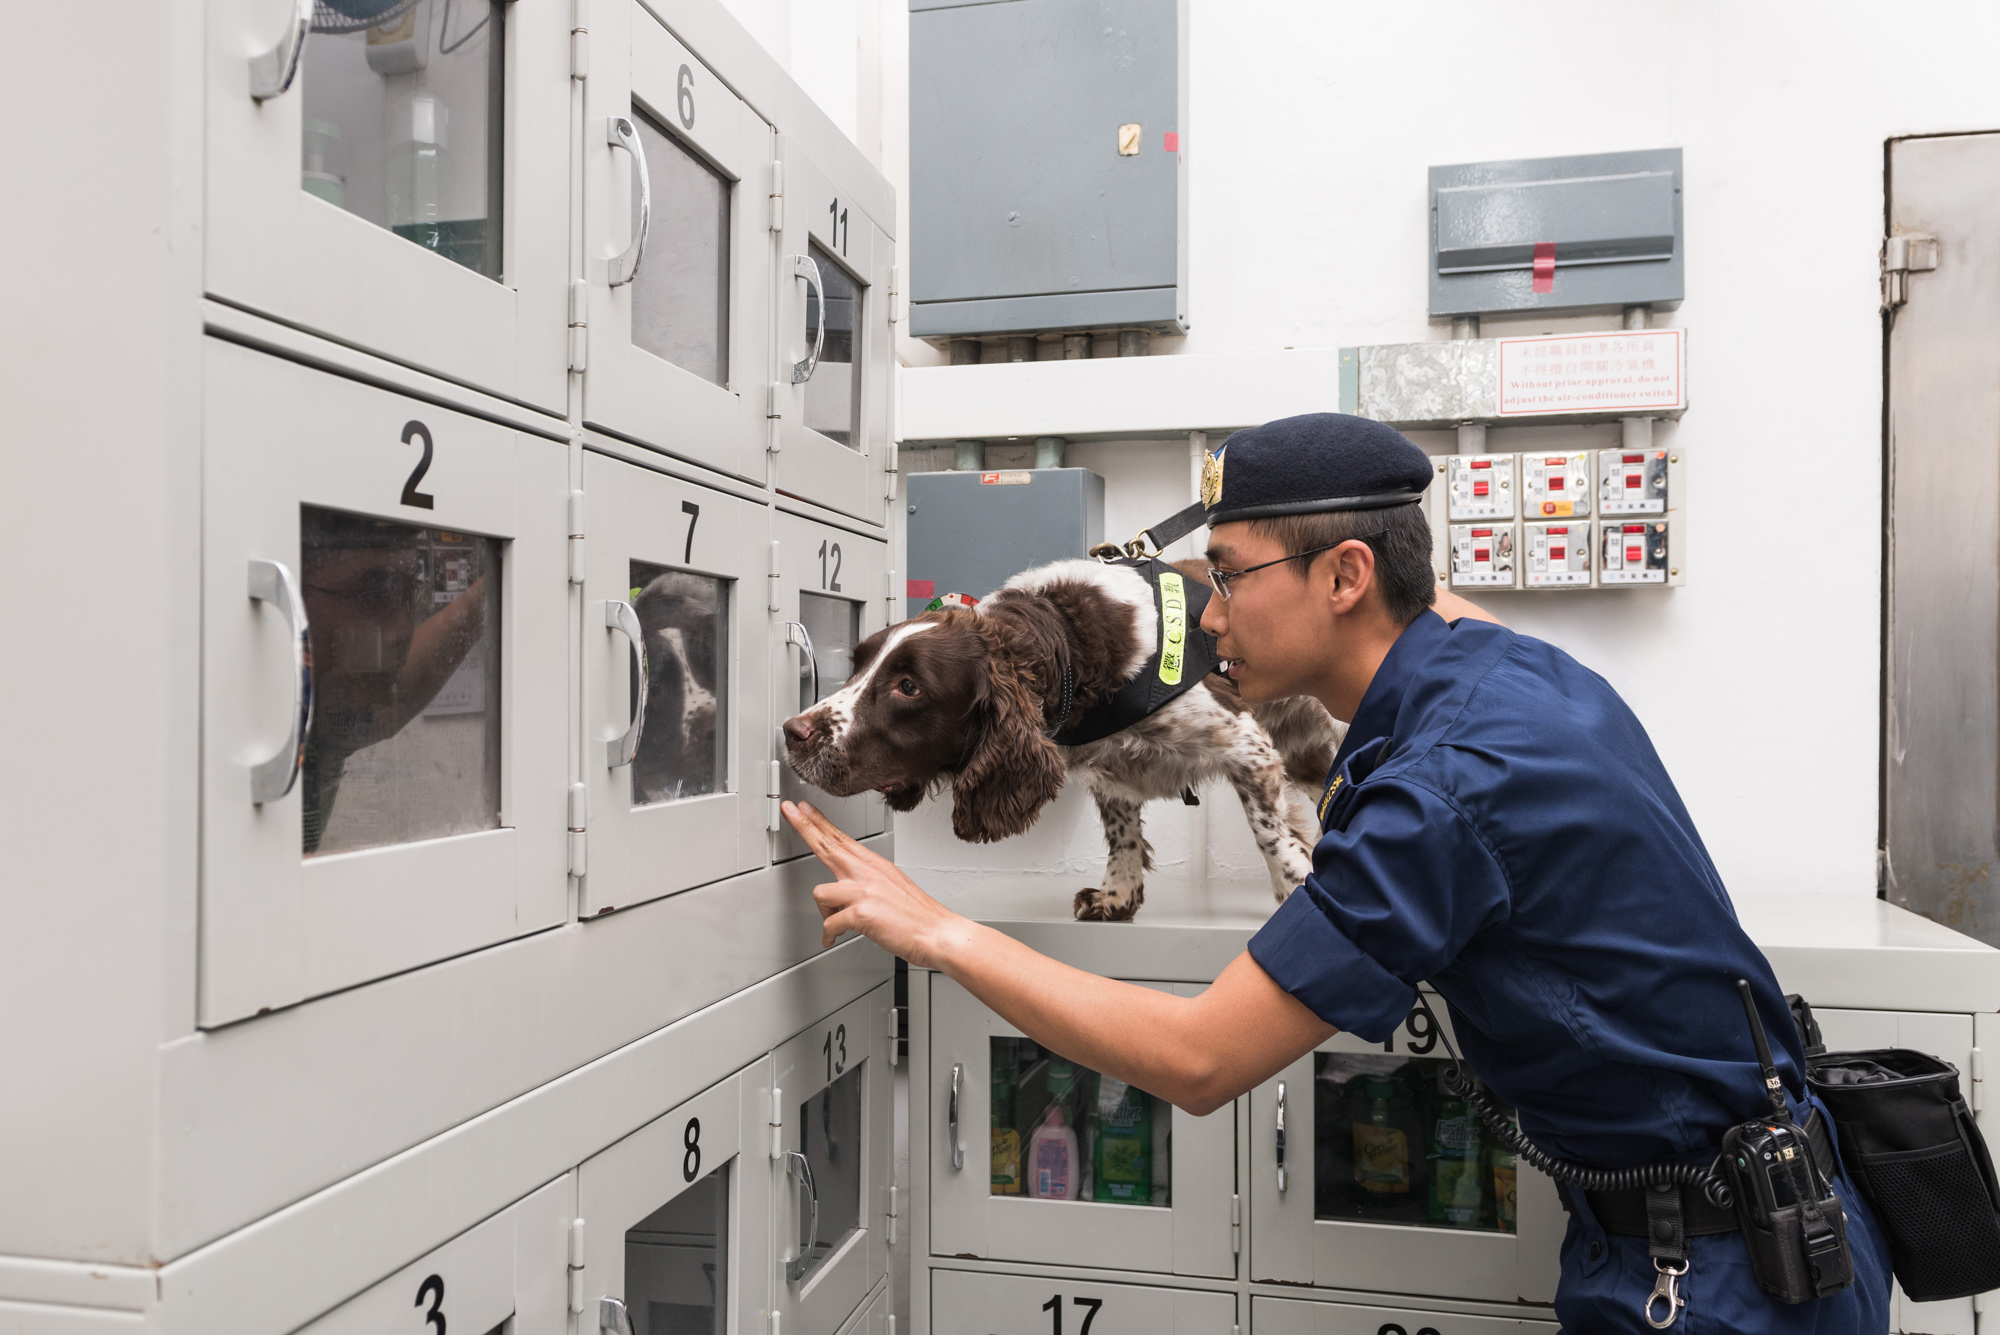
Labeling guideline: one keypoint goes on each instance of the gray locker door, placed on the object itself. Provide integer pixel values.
(1941, 752)
(1289, 1316)
(969, 1303)
(426, 817)
(679, 356)
(304, 188)
(687, 806)
(969, 1217)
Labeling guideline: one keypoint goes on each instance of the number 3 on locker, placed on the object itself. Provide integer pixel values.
(433, 1289)
(1054, 1308)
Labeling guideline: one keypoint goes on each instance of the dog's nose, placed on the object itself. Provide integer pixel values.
(798, 729)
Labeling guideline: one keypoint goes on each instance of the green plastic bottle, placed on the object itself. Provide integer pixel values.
(1122, 1143)
(1457, 1154)
(1006, 1171)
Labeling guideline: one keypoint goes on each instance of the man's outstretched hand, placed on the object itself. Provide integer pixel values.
(872, 896)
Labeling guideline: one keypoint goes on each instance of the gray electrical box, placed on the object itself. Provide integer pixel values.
(972, 532)
(1599, 230)
(1047, 190)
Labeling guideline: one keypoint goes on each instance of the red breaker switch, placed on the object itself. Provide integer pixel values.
(1630, 553)
(1479, 486)
(1555, 486)
(1632, 482)
(1482, 556)
(1557, 556)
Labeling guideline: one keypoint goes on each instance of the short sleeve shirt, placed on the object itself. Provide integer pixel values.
(1498, 824)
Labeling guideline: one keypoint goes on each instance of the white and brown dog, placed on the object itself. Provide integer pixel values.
(968, 699)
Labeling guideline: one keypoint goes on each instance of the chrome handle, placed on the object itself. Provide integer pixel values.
(796, 1165)
(619, 616)
(1281, 1135)
(272, 582)
(612, 1316)
(803, 267)
(796, 633)
(272, 72)
(951, 1116)
(622, 268)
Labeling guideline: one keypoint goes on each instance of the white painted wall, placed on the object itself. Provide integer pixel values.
(1311, 127)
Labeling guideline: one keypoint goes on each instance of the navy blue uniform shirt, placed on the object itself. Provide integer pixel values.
(1499, 825)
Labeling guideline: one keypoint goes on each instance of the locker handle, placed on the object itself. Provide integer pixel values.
(796, 633)
(1281, 1135)
(619, 616)
(622, 268)
(272, 72)
(803, 267)
(612, 1316)
(951, 1116)
(797, 1166)
(272, 582)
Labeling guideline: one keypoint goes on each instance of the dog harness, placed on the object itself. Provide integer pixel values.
(1183, 654)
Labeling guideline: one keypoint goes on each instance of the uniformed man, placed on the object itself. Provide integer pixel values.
(1496, 824)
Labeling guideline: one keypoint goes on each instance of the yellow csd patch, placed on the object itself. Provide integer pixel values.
(1173, 624)
(1211, 480)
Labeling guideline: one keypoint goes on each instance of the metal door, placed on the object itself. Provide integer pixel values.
(830, 1116)
(504, 1276)
(382, 764)
(1348, 1203)
(1942, 734)
(1291, 1316)
(679, 355)
(832, 372)
(975, 1303)
(830, 591)
(675, 1220)
(401, 185)
(673, 600)
(994, 1100)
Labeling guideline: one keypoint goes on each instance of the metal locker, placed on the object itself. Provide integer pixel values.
(831, 377)
(1346, 1208)
(400, 186)
(975, 1303)
(678, 353)
(829, 1131)
(829, 592)
(674, 1223)
(676, 679)
(987, 1197)
(1292, 1316)
(383, 680)
(505, 1275)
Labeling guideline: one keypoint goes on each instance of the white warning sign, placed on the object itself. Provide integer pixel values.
(1626, 370)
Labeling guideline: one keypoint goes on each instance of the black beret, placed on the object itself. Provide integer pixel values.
(1309, 464)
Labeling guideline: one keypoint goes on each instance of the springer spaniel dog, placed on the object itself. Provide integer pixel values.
(966, 699)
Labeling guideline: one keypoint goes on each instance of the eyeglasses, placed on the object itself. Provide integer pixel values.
(1220, 578)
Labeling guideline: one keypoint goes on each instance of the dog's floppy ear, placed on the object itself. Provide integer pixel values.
(1014, 769)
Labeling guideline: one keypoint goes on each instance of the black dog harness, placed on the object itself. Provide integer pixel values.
(1182, 655)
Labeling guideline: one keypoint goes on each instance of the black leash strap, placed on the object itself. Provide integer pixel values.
(1169, 530)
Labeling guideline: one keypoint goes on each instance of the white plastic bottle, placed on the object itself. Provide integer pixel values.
(1054, 1165)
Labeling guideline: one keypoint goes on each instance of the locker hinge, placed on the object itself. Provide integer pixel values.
(576, 1265)
(889, 595)
(891, 1214)
(774, 575)
(1978, 1080)
(576, 537)
(777, 1123)
(579, 324)
(579, 39)
(1235, 1225)
(1901, 257)
(578, 831)
(895, 1057)
(772, 413)
(895, 293)
(778, 195)
(776, 822)
(774, 1322)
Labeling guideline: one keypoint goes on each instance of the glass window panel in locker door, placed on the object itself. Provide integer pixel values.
(405, 191)
(679, 250)
(676, 1263)
(969, 1303)
(833, 278)
(833, 1086)
(671, 698)
(384, 737)
(829, 584)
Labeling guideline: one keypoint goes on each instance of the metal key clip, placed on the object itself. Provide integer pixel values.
(1666, 1285)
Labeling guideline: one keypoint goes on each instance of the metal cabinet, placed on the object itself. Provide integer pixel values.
(967, 1302)
(505, 1274)
(827, 596)
(1382, 1184)
(1290, 1316)
(384, 610)
(1148, 1187)
(676, 1221)
(830, 1130)
(833, 365)
(396, 181)
(678, 249)
(676, 692)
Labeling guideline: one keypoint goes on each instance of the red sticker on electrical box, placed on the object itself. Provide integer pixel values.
(1173, 144)
(1545, 266)
(922, 588)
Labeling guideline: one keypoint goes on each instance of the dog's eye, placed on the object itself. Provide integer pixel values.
(907, 687)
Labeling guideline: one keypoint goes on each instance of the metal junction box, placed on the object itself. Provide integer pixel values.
(1599, 230)
(972, 532)
(1047, 189)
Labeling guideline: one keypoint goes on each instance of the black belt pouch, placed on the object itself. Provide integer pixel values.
(1910, 1144)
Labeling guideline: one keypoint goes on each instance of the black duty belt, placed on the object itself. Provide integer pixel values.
(1631, 1214)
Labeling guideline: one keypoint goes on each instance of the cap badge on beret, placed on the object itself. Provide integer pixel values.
(1211, 478)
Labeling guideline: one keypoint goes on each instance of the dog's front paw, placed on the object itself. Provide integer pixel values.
(1106, 906)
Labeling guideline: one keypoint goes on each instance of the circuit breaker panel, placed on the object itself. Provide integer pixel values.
(1549, 521)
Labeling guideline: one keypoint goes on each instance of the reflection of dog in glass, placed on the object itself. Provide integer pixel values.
(682, 618)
